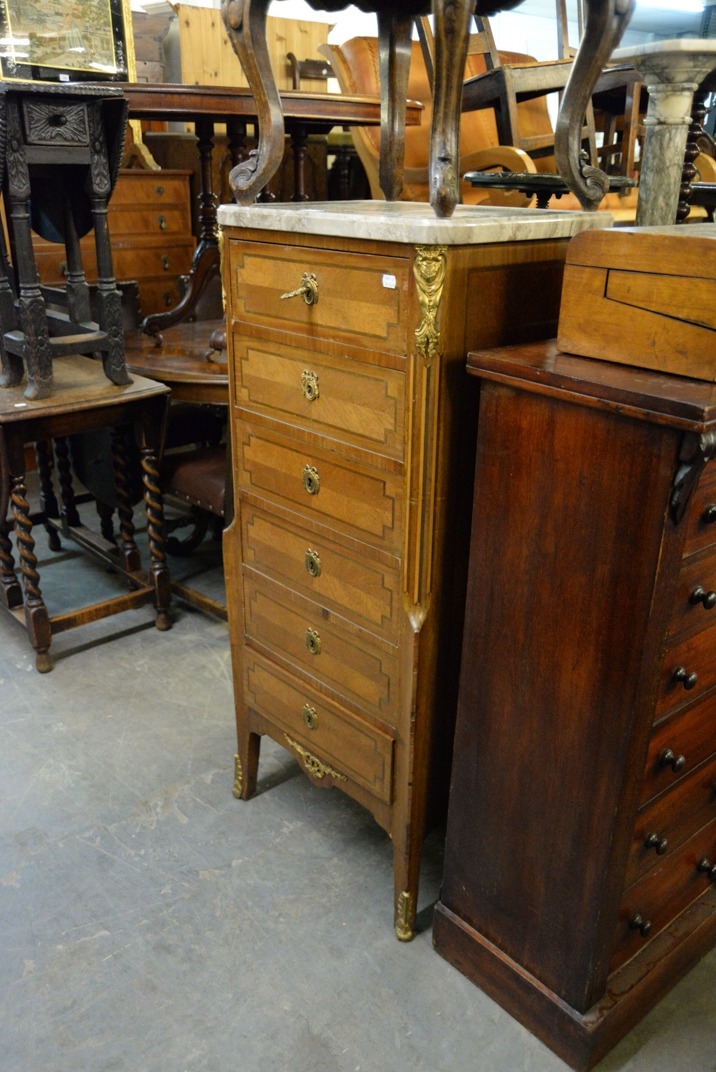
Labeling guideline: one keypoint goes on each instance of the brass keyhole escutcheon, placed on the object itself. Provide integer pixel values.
(311, 480)
(313, 641)
(308, 289)
(312, 563)
(310, 716)
(309, 385)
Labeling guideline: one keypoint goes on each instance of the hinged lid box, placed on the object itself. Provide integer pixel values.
(643, 296)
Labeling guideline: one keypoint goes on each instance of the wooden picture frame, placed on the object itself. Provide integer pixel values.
(66, 41)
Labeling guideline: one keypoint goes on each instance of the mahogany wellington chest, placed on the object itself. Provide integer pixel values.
(348, 326)
(580, 865)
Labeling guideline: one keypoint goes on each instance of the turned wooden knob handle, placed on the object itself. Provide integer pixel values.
(653, 841)
(700, 595)
(638, 923)
(706, 867)
(688, 680)
(668, 758)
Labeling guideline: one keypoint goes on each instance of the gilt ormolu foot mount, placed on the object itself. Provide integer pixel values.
(245, 22)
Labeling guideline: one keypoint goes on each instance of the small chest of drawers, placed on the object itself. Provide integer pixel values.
(149, 217)
(352, 445)
(580, 872)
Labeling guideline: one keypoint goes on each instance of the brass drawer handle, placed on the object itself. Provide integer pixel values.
(313, 641)
(311, 480)
(638, 923)
(309, 386)
(700, 595)
(308, 289)
(166, 263)
(159, 190)
(688, 680)
(310, 716)
(162, 221)
(668, 758)
(312, 562)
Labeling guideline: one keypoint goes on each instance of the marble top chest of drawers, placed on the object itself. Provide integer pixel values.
(580, 869)
(348, 327)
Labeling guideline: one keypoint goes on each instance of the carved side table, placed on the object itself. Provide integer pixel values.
(60, 147)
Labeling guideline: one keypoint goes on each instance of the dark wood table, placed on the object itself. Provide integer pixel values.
(185, 362)
(305, 113)
(704, 195)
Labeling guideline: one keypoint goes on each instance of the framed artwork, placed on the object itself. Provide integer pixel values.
(66, 41)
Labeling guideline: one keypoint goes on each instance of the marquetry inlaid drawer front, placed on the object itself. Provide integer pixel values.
(671, 819)
(328, 740)
(650, 904)
(701, 520)
(347, 582)
(360, 670)
(695, 600)
(365, 502)
(678, 745)
(350, 400)
(688, 669)
(342, 297)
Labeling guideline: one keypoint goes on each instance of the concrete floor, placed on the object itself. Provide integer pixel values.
(150, 922)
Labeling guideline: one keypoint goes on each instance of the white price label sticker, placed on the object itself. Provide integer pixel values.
(389, 281)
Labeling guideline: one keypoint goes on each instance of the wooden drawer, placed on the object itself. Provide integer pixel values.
(694, 658)
(130, 260)
(663, 893)
(689, 737)
(142, 220)
(350, 400)
(359, 670)
(362, 299)
(346, 582)
(320, 733)
(701, 520)
(150, 188)
(365, 502)
(158, 295)
(695, 600)
(672, 818)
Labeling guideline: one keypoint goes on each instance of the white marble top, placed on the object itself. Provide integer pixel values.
(412, 221)
(676, 61)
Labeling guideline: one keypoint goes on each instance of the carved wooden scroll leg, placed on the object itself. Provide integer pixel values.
(452, 23)
(605, 22)
(245, 22)
(394, 50)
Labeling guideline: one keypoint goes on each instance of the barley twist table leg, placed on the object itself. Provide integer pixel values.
(154, 506)
(120, 457)
(37, 619)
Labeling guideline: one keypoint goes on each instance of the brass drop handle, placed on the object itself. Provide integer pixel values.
(686, 679)
(312, 562)
(668, 758)
(313, 641)
(700, 595)
(705, 867)
(162, 221)
(166, 263)
(709, 514)
(311, 480)
(653, 841)
(638, 923)
(309, 386)
(310, 716)
(308, 289)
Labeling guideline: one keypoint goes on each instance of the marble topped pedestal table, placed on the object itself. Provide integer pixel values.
(672, 71)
